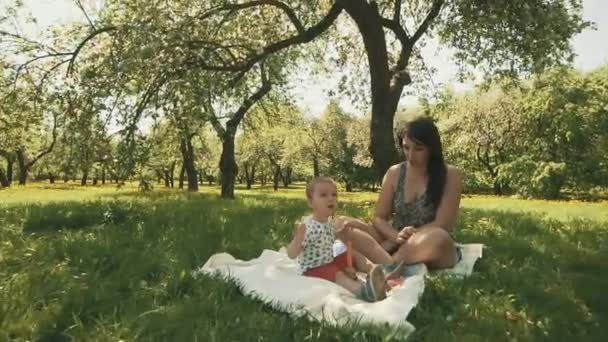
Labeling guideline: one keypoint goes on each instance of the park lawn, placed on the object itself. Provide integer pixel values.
(107, 264)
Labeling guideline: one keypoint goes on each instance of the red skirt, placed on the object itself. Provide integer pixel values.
(329, 271)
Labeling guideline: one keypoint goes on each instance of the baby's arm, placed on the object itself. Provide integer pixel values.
(295, 246)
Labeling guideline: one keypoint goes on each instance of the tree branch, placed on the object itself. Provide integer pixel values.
(278, 4)
(397, 29)
(215, 122)
(399, 76)
(86, 15)
(84, 42)
(49, 149)
(37, 58)
(233, 123)
(433, 13)
(397, 12)
(305, 37)
(29, 41)
(152, 89)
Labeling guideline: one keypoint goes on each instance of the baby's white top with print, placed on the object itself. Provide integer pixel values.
(317, 248)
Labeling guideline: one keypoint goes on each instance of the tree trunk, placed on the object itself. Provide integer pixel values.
(3, 180)
(167, 178)
(249, 175)
(189, 166)
(95, 180)
(497, 188)
(276, 178)
(182, 176)
(349, 186)
(286, 177)
(51, 178)
(85, 176)
(315, 166)
(263, 178)
(172, 175)
(10, 162)
(23, 168)
(103, 175)
(386, 85)
(228, 166)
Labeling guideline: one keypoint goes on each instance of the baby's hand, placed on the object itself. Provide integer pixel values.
(349, 271)
(299, 232)
(342, 224)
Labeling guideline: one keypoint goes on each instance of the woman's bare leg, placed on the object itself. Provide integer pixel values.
(389, 246)
(372, 231)
(366, 245)
(432, 246)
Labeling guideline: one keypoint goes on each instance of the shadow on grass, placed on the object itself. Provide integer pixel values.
(538, 280)
(118, 268)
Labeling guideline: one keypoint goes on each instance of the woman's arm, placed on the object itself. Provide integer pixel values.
(295, 246)
(384, 206)
(447, 212)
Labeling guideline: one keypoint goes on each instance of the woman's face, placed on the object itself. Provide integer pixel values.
(416, 154)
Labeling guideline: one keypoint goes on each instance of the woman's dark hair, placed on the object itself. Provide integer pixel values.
(424, 132)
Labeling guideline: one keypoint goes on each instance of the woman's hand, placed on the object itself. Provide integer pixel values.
(405, 234)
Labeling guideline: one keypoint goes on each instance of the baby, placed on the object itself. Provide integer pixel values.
(313, 242)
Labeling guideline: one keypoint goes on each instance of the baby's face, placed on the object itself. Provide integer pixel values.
(324, 199)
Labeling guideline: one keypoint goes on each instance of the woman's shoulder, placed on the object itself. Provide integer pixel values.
(453, 173)
(394, 170)
(392, 175)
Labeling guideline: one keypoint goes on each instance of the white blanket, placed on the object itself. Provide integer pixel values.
(273, 278)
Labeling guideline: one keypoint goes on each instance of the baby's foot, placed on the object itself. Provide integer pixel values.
(377, 283)
(393, 271)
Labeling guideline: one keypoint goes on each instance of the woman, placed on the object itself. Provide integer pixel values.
(418, 205)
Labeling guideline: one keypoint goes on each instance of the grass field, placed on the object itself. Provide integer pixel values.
(105, 264)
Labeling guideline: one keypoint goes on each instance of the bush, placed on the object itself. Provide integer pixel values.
(531, 178)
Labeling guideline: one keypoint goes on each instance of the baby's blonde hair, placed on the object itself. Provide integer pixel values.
(310, 187)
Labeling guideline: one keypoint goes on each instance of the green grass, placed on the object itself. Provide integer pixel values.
(106, 264)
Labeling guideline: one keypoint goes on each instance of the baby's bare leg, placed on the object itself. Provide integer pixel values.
(348, 283)
(361, 263)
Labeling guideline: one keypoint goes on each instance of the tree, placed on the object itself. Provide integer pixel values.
(358, 140)
(27, 112)
(499, 37)
(469, 26)
(273, 134)
(340, 154)
(485, 127)
(565, 119)
(537, 138)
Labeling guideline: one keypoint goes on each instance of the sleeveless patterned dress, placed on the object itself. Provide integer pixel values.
(416, 213)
